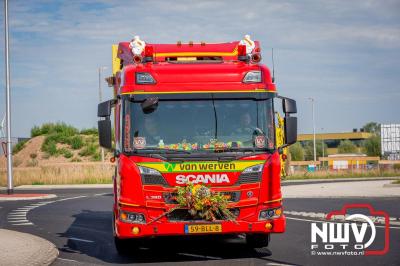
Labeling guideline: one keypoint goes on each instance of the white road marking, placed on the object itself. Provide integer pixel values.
(20, 221)
(78, 197)
(318, 221)
(24, 224)
(14, 218)
(101, 194)
(46, 202)
(22, 212)
(278, 264)
(321, 215)
(16, 214)
(199, 256)
(81, 240)
(67, 259)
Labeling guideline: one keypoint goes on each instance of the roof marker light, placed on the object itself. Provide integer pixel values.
(252, 77)
(242, 56)
(148, 53)
(144, 78)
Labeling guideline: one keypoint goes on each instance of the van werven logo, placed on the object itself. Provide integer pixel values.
(170, 166)
(329, 238)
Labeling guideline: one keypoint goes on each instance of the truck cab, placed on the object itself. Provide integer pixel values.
(194, 113)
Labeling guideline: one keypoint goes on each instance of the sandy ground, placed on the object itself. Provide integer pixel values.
(33, 146)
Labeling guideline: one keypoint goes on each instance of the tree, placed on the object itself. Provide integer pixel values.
(372, 146)
(346, 146)
(309, 150)
(372, 127)
(296, 152)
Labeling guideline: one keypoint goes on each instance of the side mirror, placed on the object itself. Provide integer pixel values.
(105, 133)
(150, 105)
(104, 126)
(289, 106)
(290, 130)
(104, 108)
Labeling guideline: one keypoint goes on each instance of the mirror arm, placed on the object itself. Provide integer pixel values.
(280, 149)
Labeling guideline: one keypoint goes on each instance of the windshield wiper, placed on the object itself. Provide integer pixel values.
(248, 149)
(162, 149)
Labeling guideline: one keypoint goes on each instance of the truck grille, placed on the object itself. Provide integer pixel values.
(153, 180)
(183, 215)
(249, 178)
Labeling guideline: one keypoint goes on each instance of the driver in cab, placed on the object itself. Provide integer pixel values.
(245, 125)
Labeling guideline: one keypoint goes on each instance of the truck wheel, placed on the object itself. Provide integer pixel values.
(257, 240)
(124, 246)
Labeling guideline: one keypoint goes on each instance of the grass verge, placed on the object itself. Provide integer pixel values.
(61, 174)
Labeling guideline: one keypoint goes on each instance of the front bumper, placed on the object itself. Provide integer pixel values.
(128, 230)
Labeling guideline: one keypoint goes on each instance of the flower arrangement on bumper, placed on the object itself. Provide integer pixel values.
(203, 203)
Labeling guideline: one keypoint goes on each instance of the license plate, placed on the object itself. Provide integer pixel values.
(202, 228)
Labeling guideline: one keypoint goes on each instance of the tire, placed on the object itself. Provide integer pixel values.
(257, 240)
(124, 246)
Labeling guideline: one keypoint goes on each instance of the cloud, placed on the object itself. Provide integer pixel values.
(342, 52)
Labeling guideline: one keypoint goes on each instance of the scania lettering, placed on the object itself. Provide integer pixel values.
(206, 179)
(203, 113)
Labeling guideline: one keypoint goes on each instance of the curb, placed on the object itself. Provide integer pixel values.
(16, 197)
(391, 185)
(25, 249)
(49, 187)
(333, 180)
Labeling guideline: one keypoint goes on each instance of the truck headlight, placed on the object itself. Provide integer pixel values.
(253, 169)
(251, 174)
(132, 217)
(269, 214)
(151, 176)
(252, 77)
(148, 171)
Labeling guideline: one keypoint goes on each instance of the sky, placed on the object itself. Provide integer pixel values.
(344, 54)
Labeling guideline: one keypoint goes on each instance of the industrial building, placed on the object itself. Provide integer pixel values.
(332, 140)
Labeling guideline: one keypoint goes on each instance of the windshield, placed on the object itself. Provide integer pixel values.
(199, 125)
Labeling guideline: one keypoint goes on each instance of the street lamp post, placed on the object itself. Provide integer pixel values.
(10, 187)
(101, 99)
(323, 147)
(313, 121)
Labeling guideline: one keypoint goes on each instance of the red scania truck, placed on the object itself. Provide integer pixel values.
(201, 113)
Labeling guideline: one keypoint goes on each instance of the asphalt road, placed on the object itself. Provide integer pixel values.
(79, 223)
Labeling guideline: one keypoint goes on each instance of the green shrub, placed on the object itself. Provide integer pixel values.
(89, 131)
(18, 147)
(50, 128)
(346, 146)
(296, 152)
(76, 142)
(396, 166)
(89, 150)
(50, 147)
(67, 154)
(36, 131)
(96, 157)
